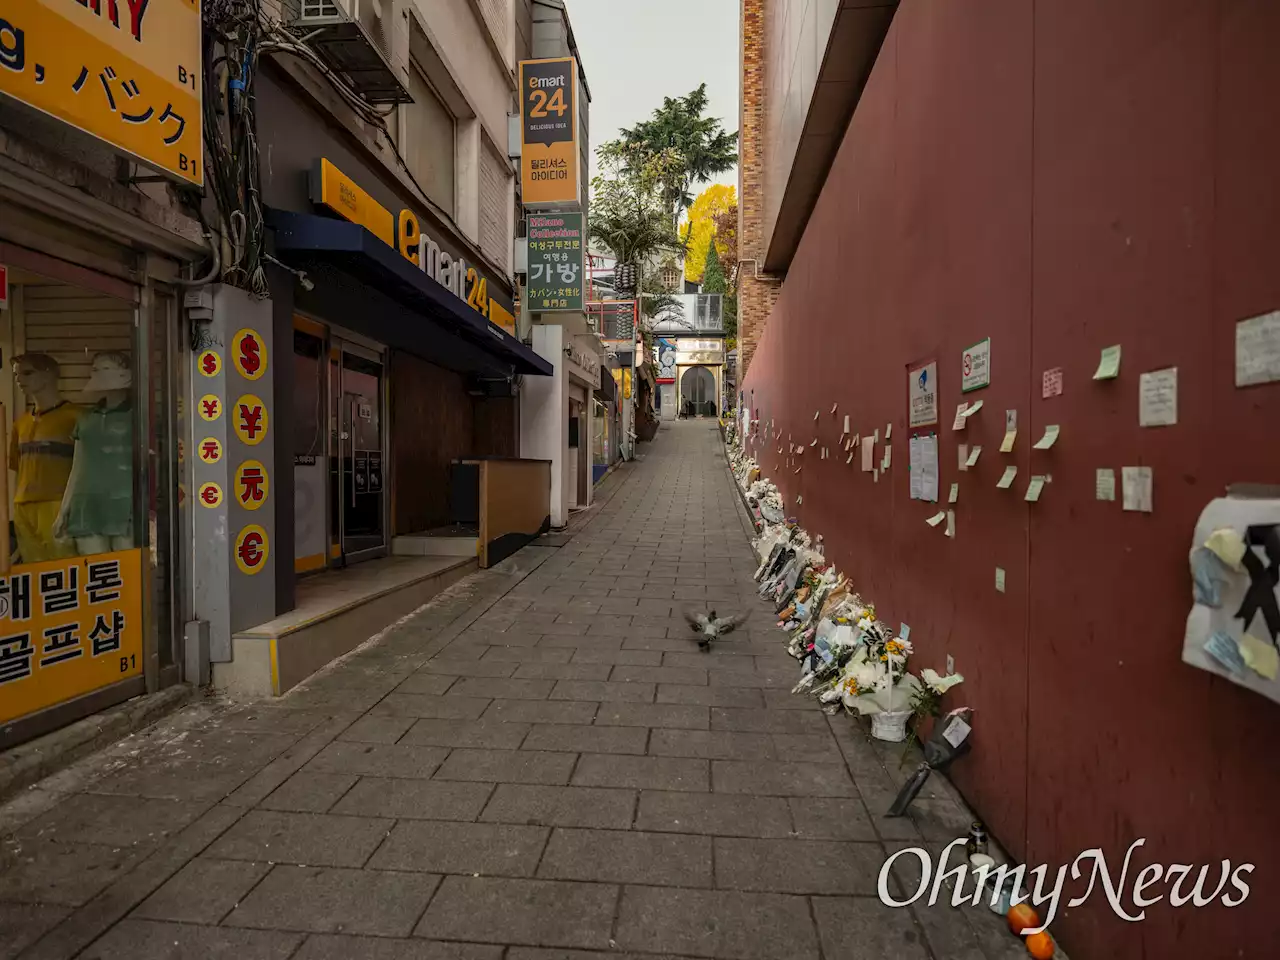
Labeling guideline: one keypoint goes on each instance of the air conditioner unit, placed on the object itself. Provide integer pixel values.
(367, 40)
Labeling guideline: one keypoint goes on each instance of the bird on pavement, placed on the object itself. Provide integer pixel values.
(709, 627)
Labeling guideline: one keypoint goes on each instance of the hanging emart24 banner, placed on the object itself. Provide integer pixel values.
(549, 171)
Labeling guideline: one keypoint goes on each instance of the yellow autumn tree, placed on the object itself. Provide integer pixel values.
(714, 201)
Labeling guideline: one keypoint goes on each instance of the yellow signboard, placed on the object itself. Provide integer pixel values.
(125, 71)
(549, 131)
(335, 190)
(67, 628)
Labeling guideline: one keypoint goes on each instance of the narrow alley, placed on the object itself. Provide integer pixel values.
(539, 761)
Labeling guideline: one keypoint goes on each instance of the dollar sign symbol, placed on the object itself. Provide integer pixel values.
(209, 363)
(249, 358)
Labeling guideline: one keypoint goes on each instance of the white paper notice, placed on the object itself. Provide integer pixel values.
(868, 456)
(888, 431)
(846, 424)
(960, 420)
(962, 457)
(1137, 483)
(914, 448)
(1158, 398)
(1006, 481)
(957, 732)
(929, 469)
(1258, 350)
(937, 518)
(1104, 485)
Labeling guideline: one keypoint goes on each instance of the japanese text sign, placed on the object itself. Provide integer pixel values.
(556, 248)
(67, 628)
(124, 71)
(549, 131)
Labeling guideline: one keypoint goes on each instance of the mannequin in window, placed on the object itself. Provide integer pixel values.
(97, 510)
(40, 452)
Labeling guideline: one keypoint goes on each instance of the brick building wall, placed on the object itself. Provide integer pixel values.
(755, 297)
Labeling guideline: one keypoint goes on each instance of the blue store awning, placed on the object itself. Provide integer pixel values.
(364, 285)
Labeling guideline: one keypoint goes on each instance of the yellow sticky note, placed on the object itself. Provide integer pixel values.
(1258, 656)
(1108, 364)
(1049, 439)
(936, 519)
(1006, 445)
(1034, 488)
(1006, 481)
(1227, 545)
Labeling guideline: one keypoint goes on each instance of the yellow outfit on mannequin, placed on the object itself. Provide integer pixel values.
(41, 449)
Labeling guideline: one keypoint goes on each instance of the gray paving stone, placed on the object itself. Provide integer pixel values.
(534, 953)
(415, 799)
(529, 654)
(149, 940)
(488, 849)
(470, 668)
(603, 691)
(329, 947)
(428, 683)
(720, 814)
(763, 678)
(711, 744)
(377, 759)
(541, 711)
(377, 729)
(772, 778)
(309, 792)
(508, 766)
(807, 748)
(738, 697)
(588, 807)
(23, 924)
(767, 721)
(531, 912)
(51, 872)
(450, 707)
(783, 699)
(511, 689)
(204, 891)
(563, 671)
(819, 867)
(582, 641)
(676, 716)
(641, 773)
(118, 821)
(307, 838)
(324, 900)
(475, 733)
(660, 675)
(644, 658)
(625, 856)
(191, 781)
(718, 923)
(579, 738)
(866, 928)
(824, 818)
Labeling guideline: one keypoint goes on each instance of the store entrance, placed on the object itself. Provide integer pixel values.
(357, 464)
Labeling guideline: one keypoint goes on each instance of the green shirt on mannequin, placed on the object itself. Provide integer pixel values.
(101, 504)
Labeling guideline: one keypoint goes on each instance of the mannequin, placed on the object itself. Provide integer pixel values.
(40, 452)
(97, 509)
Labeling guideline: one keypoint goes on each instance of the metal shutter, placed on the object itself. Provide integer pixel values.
(71, 325)
(495, 236)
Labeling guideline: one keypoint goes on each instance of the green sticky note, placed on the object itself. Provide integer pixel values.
(1109, 364)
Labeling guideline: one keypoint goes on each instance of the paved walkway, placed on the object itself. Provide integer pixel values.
(539, 762)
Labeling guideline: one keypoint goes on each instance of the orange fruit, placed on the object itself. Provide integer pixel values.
(1022, 917)
(1040, 945)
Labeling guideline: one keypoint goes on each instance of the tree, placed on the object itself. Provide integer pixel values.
(704, 223)
(714, 281)
(701, 143)
(628, 215)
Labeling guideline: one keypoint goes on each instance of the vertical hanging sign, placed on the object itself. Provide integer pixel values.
(549, 131)
(555, 261)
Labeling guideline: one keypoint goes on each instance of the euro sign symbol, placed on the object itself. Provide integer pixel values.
(249, 551)
(209, 363)
(249, 355)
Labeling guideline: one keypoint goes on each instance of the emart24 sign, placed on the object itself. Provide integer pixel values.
(124, 71)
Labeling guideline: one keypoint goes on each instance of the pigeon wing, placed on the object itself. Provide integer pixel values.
(696, 620)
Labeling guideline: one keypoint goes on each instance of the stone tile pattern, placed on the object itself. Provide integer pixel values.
(539, 762)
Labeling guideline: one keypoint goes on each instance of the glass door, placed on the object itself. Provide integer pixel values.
(357, 470)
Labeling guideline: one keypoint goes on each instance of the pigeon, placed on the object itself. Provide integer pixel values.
(709, 627)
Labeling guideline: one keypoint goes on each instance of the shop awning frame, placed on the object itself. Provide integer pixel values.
(430, 322)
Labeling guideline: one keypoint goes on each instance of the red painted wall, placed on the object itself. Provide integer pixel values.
(1059, 176)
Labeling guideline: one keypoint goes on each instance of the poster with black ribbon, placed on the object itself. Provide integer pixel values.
(1233, 629)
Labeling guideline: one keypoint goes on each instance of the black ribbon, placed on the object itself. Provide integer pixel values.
(1261, 595)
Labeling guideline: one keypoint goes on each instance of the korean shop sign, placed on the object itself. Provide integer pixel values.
(67, 628)
(556, 248)
(549, 131)
(124, 71)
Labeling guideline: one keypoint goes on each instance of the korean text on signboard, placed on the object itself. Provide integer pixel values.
(124, 71)
(555, 262)
(549, 131)
(922, 394)
(67, 628)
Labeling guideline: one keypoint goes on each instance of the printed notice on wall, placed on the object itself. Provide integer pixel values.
(914, 444)
(922, 394)
(975, 366)
(1258, 350)
(1158, 398)
(929, 468)
(1137, 483)
(1104, 487)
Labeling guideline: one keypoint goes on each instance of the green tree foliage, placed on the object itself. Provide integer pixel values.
(628, 216)
(701, 143)
(714, 281)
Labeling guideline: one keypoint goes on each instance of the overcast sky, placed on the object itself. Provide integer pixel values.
(636, 52)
